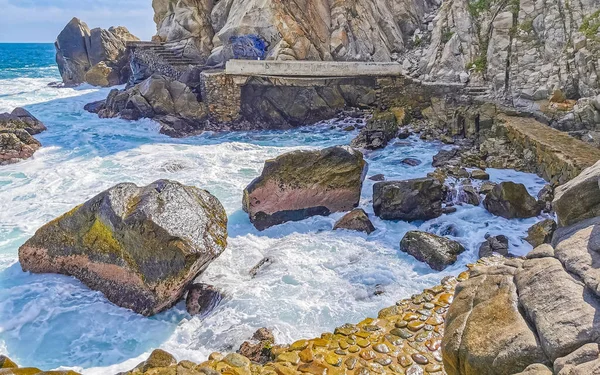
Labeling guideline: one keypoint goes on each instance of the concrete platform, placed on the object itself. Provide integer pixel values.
(324, 69)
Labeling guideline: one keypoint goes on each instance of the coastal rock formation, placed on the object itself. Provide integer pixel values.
(357, 220)
(300, 184)
(140, 246)
(20, 118)
(380, 129)
(438, 252)
(202, 299)
(579, 198)
(417, 199)
(511, 200)
(541, 233)
(258, 350)
(96, 56)
(16, 141)
(494, 244)
(167, 101)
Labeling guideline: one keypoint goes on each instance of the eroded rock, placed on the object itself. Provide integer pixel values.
(541, 233)
(357, 220)
(438, 252)
(511, 200)
(300, 184)
(578, 199)
(417, 199)
(140, 246)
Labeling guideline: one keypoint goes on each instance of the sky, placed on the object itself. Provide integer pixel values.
(37, 21)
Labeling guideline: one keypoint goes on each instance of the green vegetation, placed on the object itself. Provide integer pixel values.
(478, 65)
(526, 26)
(590, 25)
(477, 7)
(446, 34)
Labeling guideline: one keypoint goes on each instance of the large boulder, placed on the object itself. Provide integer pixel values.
(140, 246)
(486, 334)
(95, 56)
(438, 252)
(417, 199)
(578, 199)
(511, 200)
(494, 244)
(541, 233)
(300, 184)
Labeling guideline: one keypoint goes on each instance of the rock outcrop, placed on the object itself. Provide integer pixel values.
(511, 200)
(380, 129)
(140, 246)
(95, 56)
(438, 252)
(300, 184)
(541, 233)
(578, 199)
(259, 348)
(494, 244)
(170, 102)
(357, 220)
(16, 141)
(417, 199)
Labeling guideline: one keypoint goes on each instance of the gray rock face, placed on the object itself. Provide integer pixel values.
(140, 246)
(95, 56)
(357, 220)
(418, 199)
(169, 102)
(510, 201)
(578, 199)
(438, 252)
(300, 184)
(547, 316)
(494, 244)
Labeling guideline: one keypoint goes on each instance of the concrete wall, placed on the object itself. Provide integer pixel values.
(312, 68)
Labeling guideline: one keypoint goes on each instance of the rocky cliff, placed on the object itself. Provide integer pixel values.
(525, 47)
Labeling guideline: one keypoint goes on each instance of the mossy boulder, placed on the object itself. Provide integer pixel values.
(140, 246)
(416, 199)
(300, 184)
(511, 201)
(357, 220)
(20, 118)
(438, 252)
(541, 233)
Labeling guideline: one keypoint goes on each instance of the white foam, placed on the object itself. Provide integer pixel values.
(318, 280)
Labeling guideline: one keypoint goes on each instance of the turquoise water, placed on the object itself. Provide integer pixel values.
(319, 279)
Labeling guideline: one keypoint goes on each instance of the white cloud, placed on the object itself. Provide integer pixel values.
(42, 20)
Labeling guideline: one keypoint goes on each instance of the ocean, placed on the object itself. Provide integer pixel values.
(319, 279)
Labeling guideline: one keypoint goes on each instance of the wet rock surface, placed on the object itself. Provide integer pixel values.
(438, 252)
(300, 184)
(511, 200)
(357, 220)
(494, 244)
(202, 299)
(16, 141)
(417, 199)
(380, 129)
(140, 246)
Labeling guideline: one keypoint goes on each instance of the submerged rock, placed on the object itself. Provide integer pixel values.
(140, 246)
(511, 200)
(438, 252)
(300, 184)
(377, 177)
(357, 220)
(541, 233)
(202, 299)
(417, 199)
(578, 199)
(95, 56)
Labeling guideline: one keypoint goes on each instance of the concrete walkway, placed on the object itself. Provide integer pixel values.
(313, 69)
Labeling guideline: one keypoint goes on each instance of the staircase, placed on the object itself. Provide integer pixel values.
(171, 54)
(477, 90)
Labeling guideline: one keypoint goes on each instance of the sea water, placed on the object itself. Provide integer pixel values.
(318, 279)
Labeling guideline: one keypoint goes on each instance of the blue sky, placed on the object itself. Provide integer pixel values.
(42, 20)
